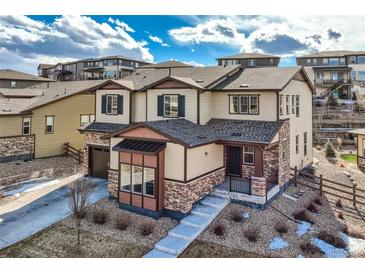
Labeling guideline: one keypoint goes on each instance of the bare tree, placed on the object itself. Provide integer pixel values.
(79, 192)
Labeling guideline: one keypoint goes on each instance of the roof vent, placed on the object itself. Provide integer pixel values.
(243, 85)
(65, 91)
(236, 134)
(202, 137)
(6, 109)
(199, 80)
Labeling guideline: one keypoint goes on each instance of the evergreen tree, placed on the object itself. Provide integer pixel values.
(329, 151)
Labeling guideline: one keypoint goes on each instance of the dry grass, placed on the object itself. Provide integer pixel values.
(122, 222)
(331, 239)
(303, 216)
(281, 228)
(219, 229)
(236, 215)
(100, 216)
(354, 231)
(146, 228)
(309, 249)
(340, 215)
(252, 234)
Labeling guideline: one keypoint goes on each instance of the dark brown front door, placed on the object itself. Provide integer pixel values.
(99, 158)
(234, 161)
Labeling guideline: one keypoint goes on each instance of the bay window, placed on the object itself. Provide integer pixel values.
(244, 104)
(138, 179)
(149, 181)
(249, 155)
(125, 177)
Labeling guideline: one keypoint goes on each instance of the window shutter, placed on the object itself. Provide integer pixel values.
(103, 104)
(160, 105)
(181, 103)
(120, 104)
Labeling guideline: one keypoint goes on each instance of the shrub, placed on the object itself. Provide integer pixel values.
(339, 203)
(1, 195)
(122, 222)
(329, 151)
(331, 239)
(146, 228)
(252, 234)
(317, 201)
(312, 208)
(340, 215)
(219, 229)
(309, 248)
(354, 231)
(236, 215)
(303, 216)
(100, 216)
(281, 227)
(331, 100)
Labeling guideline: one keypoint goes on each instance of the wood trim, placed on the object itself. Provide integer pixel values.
(195, 178)
(185, 163)
(198, 107)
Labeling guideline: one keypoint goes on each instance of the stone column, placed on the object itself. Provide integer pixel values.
(258, 186)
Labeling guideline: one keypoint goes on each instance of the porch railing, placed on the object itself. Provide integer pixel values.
(239, 185)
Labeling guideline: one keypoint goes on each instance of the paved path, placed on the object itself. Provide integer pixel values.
(181, 236)
(38, 209)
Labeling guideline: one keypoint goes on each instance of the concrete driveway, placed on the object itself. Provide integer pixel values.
(38, 207)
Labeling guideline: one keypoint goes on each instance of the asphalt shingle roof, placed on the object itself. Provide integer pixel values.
(166, 64)
(104, 127)
(334, 53)
(9, 74)
(248, 56)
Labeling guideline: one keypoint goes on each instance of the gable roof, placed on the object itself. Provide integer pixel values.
(9, 74)
(12, 106)
(248, 56)
(23, 93)
(333, 53)
(46, 66)
(166, 64)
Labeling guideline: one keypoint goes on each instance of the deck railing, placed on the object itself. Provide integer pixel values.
(72, 152)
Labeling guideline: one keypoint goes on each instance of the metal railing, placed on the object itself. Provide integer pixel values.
(239, 185)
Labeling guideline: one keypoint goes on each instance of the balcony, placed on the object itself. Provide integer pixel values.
(330, 81)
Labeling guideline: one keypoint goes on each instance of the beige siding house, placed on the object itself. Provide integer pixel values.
(189, 131)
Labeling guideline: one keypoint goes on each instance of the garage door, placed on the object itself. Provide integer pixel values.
(99, 158)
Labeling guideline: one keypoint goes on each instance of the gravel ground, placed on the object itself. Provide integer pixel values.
(264, 222)
(97, 240)
(66, 165)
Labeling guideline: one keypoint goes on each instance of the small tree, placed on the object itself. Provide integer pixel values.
(339, 143)
(79, 192)
(331, 101)
(329, 151)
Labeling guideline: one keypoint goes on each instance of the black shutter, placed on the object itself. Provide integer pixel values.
(103, 104)
(120, 104)
(160, 105)
(181, 104)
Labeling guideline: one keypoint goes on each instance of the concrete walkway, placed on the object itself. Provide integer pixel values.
(37, 208)
(181, 236)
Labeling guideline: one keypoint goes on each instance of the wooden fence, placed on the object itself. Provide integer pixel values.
(72, 152)
(329, 187)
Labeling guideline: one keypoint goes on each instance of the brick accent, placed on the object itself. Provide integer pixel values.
(258, 186)
(113, 178)
(248, 171)
(361, 161)
(284, 147)
(271, 163)
(92, 138)
(16, 147)
(180, 196)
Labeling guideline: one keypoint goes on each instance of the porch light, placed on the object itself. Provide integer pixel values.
(206, 153)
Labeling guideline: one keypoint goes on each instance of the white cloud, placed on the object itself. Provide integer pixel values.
(282, 35)
(66, 38)
(157, 39)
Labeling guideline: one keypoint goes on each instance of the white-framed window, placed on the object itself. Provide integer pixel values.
(297, 105)
(13, 84)
(296, 144)
(281, 104)
(287, 104)
(86, 119)
(249, 155)
(125, 177)
(138, 179)
(49, 124)
(171, 106)
(149, 181)
(112, 104)
(305, 143)
(293, 104)
(252, 62)
(244, 104)
(26, 125)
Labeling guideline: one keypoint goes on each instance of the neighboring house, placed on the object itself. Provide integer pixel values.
(336, 71)
(250, 60)
(16, 79)
(165, 138)
(36, 122)
(108, 67)
(360, 133)
(164, 65)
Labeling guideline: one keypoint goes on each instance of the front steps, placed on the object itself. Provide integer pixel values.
(181, 236)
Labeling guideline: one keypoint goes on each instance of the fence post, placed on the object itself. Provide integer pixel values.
(66, 149)
(295, 175)
(354, 193)
(320, 185)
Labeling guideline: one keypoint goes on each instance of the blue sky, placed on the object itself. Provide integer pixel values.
(26, 41)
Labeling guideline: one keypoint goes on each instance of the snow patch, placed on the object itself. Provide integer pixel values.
(246, 215)
(303, 228)
(354, 246)
(329, 250)
(277, 243)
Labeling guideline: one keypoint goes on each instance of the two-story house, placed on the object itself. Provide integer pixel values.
(165, 138)
(17, 80)
(335, 71)
(250, 60)
(108, 67)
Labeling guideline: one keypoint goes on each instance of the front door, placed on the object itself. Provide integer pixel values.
(234, 161)
(99, 158)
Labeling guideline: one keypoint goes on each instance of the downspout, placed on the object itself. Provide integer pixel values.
(198, 107)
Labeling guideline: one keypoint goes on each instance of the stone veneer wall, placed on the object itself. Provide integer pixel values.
(361, 161)
(92, 138)
(271, 162)
(284, 165)
(248, 171)
(258, 186)
(113, 178)
(16, 148)
(181, 196)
